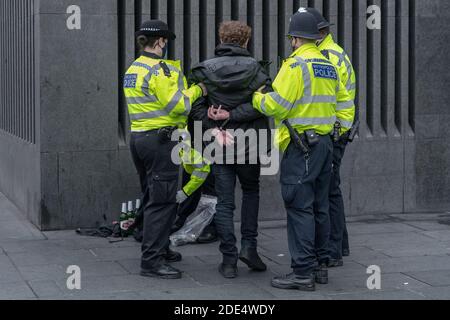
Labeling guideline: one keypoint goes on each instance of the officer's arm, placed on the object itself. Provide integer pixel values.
(245, 113)
(200, 171)
(174, 94)
(345, 109)
(286, 90)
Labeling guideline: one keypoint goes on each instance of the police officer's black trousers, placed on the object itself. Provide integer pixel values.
(305, 188)
(159, 182)
(337, 213)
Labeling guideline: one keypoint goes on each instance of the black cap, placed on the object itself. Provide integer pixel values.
(321, 21)
(304, 25)
(155, 28)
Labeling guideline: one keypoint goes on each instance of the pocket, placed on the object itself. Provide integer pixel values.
(164, 188)
(288, 192)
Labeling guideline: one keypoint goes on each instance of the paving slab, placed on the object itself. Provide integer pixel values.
(436, 278)
(17, 290)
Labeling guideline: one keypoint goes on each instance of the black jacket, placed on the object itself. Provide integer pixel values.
(231, 78)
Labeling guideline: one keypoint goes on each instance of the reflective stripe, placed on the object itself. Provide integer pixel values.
(345, 105)
(316, 99)
(339, 55)
(145, 66)
(345, 123)
(312, 121)
(281, 101)
(351, 86)
(141, 100)
(263, 105)
(158, 113)
(199, 165)
(343, 58)
(173, 103)
(307, 91)
(200, 174)
(148, 115)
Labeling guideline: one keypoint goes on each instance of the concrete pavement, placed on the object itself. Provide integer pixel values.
(412, 250)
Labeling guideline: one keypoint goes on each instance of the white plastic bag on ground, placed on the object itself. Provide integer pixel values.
(196, 223)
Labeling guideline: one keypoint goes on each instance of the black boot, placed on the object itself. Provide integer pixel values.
(333, 263)
(292, 281)
(345, 252)
(251, 258)
(172, 256)
(321, 274)
(163, 272)
(228, 271)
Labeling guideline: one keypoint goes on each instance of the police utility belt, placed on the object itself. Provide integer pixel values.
(164, 134)
(304, 141)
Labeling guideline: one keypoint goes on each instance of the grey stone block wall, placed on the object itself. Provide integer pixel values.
(80, 169)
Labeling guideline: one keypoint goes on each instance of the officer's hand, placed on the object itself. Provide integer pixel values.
(181, 197)
(204, 89)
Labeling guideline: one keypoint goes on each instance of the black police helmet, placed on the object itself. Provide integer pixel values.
(304, 25)
(155, 28)
(321, 21)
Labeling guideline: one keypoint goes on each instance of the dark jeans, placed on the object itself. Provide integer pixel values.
(225, 176)
(159, 182)
(304, 187)
(337, 213)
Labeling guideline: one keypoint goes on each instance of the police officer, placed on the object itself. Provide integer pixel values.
(158, 103)
(308, 99)
(339, 245)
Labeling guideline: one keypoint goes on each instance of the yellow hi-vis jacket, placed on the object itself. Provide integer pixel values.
(309, 94)
(195, 166)
(157, 94)
(333, 52)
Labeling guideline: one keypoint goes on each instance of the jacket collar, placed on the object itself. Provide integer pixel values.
(303, 49)
(151, 55)
(326, 42)
(229, 49)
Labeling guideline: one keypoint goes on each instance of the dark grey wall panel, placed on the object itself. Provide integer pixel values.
(19, 125)
(432, 154)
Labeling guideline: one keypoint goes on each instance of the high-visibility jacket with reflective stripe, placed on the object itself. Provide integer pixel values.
(309, 94)
(341, 60)
(196, 167)
(156, 100)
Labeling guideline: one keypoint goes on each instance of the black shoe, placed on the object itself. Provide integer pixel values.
(334, 263)
(321, 274)
(208, 236)
(228, 271)
(164, 272)
(345, 252)
(178, 224)
(172, 256)
(292, 281)
(251, 258)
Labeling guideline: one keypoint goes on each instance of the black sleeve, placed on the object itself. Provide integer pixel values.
(199, 112)
(245, 113)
